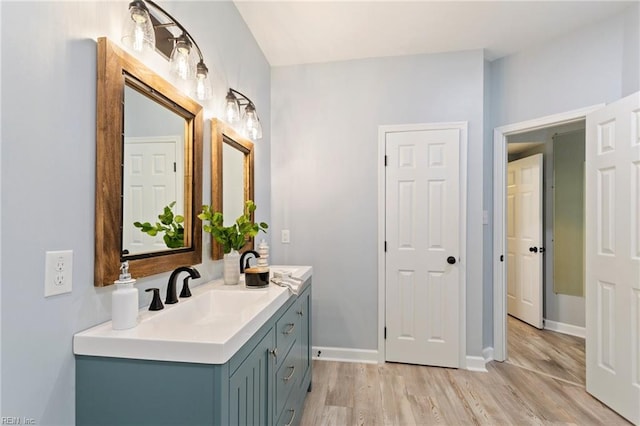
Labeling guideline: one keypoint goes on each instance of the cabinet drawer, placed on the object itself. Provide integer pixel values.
(287, 329)
(287, 377)
(289, 416)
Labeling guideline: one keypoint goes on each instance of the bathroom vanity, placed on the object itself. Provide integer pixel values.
(226, 356)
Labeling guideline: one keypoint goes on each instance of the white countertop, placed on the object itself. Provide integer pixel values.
(207, 328)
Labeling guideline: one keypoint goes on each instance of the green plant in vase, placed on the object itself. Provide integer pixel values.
(170, 224)
(232, 238)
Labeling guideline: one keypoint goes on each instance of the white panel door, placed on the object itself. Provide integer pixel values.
(422, 234)
(613, 256)
(150, 184)
(524, 239)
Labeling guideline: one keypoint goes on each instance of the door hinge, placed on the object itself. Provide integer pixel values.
(385, 161)
(502, 258)
(385, 333)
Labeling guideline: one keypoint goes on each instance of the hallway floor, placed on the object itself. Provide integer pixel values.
(556, 354)
(509, 394)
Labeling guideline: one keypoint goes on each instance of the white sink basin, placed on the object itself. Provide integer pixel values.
(208, 328)
(217, 305)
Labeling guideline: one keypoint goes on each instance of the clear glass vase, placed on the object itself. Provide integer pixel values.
(232, 267)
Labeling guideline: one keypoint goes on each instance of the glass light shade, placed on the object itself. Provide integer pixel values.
(181, 62)
(138, 33)
(232, 109)
(202, 86)
(251, 123)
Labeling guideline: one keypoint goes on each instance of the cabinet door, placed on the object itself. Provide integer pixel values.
(250, 388)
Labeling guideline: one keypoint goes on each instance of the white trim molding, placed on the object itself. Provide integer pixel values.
(476, 363)
(570, 329)
(479, 363)
(499, 214)
(323, 353)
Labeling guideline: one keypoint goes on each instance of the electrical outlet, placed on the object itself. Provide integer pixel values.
(286, 237)
(58, 268)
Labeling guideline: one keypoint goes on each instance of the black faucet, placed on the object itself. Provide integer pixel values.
(244, 265)
(171, 287)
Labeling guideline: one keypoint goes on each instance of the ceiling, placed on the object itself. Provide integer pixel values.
(300, 31)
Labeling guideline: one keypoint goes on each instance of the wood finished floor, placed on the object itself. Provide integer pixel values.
(556, 354)
(403, 394)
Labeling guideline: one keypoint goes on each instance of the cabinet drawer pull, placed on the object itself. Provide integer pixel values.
(292, 327)
(274, 352)
(293, 416)
(301, 312)
(293, 370)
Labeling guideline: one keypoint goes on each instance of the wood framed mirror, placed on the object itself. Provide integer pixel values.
(231, 177)
(145, 128)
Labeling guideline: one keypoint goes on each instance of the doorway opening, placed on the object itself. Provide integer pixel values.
(501, 135)
(545, 251)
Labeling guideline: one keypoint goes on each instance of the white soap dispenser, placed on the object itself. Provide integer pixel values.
(124, 301)
(263, 251)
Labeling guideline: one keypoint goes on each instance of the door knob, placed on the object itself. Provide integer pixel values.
(451, 260)
(533, 249)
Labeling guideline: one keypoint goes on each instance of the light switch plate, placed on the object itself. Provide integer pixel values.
(58, 271)
(286, 237)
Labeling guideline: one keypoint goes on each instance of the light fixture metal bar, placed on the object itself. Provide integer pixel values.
(177, 24)
(243, 96)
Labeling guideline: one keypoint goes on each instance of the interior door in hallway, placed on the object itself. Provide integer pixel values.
(613, 256)
(422, 228)
(524, 239)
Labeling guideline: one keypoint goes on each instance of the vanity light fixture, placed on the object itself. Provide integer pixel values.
(138, 33)
(147, 27)
(249, 123)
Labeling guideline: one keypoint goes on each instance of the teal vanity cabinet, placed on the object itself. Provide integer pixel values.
(264, 383)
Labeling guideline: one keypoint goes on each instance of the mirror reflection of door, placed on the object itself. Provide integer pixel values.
(232, 183)
(150, 175)
(153, 169)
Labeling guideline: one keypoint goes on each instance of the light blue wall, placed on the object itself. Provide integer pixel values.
(325, 169)
(48, 174)
(599, 64)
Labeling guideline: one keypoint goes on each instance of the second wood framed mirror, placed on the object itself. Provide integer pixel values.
(231, 176)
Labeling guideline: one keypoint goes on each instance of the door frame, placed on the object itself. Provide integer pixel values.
(382, 131)
(500, 135)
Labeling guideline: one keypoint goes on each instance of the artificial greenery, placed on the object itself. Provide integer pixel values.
(232, 237)
(170, 224)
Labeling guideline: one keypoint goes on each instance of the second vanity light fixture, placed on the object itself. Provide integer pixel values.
(141, 28)
(249, 123)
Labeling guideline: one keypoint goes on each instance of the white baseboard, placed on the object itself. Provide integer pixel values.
(323, 353)
(561, 327)
(478, 363)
